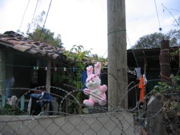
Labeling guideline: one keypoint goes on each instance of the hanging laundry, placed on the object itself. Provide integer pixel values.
(73, 69)
(83, 78)
(55, 69)
(142, 83)
(64, 68)
(138, 72)
(38, 102)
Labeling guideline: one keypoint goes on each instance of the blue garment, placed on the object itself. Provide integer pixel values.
(83, 79)
(44, 99)
(8, 88)
(9, 85)
(36, 96)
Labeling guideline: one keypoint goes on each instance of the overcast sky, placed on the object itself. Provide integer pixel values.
(84, 22)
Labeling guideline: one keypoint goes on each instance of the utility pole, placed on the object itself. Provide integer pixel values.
(117, 54)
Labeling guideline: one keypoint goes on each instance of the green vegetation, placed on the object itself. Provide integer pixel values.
(9, 110)
(78, 59)
(168, 87)
(45, 35)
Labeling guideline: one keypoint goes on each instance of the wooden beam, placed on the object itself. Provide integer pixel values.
(48, 76)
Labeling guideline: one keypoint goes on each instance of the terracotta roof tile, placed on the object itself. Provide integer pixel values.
(23, 44)
(21, 48)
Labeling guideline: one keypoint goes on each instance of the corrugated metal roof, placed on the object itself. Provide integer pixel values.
(23, 44)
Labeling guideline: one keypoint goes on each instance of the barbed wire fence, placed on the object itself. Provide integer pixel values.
(161, 114)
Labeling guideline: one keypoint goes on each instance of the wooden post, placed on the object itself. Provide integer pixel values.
(2, 73)
(164, 61)
(48, 76)
(154, 125)
(117, 53)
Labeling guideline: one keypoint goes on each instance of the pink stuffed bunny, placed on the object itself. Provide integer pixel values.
(94, 89)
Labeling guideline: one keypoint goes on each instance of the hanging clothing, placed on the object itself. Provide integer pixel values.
(142, 83)
(138, 72)
(83, 79)
(43, 98)
(9, 84)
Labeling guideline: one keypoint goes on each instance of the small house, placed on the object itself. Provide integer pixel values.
(147, 61)
(25, 63)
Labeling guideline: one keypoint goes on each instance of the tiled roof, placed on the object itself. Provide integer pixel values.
(23, 44)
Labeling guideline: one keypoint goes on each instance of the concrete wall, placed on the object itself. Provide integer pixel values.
(91, 124)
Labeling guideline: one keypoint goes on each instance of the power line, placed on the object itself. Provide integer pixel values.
(171, 15)
(33, 17)
(35, 9)
(47, 13)
(132, 51)
(105, 53)
(65, 68)
(46, 18)
(175, 10)
(39, 5)
(24, 15)
(157, 15)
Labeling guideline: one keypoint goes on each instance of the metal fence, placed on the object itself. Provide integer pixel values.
(91, 124)
(160, 115)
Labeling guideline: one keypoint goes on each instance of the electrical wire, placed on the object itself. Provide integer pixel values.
(105, 53)
(157, 15)
(35, 10)
(39, 5)
(45, 18)
(33, 17)
(175, 10)
(47, 14)
(24, 15)
(171, 15)
(42, 67)
(133, 51)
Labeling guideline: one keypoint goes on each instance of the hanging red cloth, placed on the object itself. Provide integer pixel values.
(142, 88)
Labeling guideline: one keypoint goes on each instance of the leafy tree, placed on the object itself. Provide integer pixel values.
(45, 35)
(174, 37)
(37, 32)
(153, 40)
(36, 22)
(149, 41)
(73, 77)
(177, 22)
